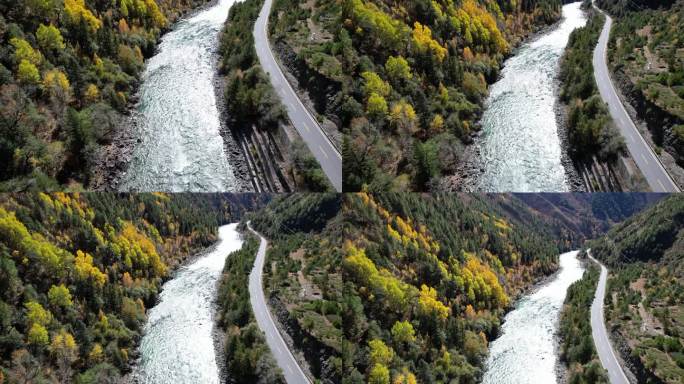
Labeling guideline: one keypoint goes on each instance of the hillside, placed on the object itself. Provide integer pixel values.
(646, 53)
(407, 286)
(77, 273)
(579, 216)
(68, 73)
(402, 82)
(645, 255)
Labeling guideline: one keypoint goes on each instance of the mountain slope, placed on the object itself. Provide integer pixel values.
(581, 216)
(402, 82)
(68, 70)
(646, 57)
(78, 271)
(408, 286)
(645, 255)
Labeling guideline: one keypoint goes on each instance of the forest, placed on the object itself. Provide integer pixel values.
(411, 288)
(577, 345)
(68, 74)
(417, 80)
(370, 287)
(644, 255)
(250, 98)
(403, 81)
(77, 272)
(622, 7)
(590, 129)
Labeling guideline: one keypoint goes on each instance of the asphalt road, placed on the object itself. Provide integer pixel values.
(600, 334)
(287, 363)
(656, 175)
(319, 144)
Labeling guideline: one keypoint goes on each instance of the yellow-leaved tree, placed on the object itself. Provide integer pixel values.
(91, 93)
(423, 42)
(379, 374)
(374, 84)
(429, 305)
(76, 11)
(379, 352)
(376, 105)
(403, 332)
(405, 377)
(85, 270)
(64, 350)
(56, 84)
(37, 320)
(403, 117)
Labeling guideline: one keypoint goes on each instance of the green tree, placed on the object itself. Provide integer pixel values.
(425, 161)
(24, 51)
(49, 37)
(59, 295)
(379, 352)
(42, 8)
(403, 332)
(398, 68)
(27, 73)
(375, 84)
(377, 105)
(38, 335)
(379, 374)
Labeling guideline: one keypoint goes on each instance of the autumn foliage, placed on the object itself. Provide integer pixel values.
(67, 72)
(436, 58)
(77, 273)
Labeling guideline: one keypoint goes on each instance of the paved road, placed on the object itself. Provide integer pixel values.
(287, 363)
(600, 334)
(656, 175)
(319, 144)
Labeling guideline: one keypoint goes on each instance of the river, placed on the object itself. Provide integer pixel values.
(520, 149)
(526, 351)
(177, 123)
(178, 341)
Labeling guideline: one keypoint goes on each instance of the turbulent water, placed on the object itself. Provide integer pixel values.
(526, 350)
(520, 149)
(178, 344)
(177, 122)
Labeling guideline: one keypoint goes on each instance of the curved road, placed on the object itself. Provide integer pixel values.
(656, 175)
(286, 361)
(600, 334)
(318, 142)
